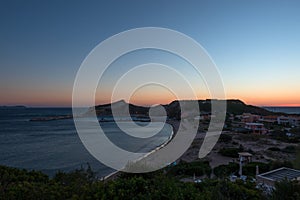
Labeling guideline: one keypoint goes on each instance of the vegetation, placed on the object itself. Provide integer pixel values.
(296, 162)
(289, 149)
(250, 168)
(83, 184)
(274, 149)
(281, 136)
(198, 168)
(278, 164)
(231, 152)
(223, 171)
(235, 191)
(296, 131)
(289, 190)
(225, 138)
(236, 107)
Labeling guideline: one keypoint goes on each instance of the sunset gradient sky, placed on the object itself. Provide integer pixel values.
(255, 45)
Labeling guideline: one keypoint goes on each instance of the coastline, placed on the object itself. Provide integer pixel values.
(115, 174)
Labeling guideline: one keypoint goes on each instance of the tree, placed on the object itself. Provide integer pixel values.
(289, 190)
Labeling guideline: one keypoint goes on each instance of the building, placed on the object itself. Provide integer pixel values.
(294, 120)
(289, 120)
(256, 128)
(283, 120)
(271, 119)
(245, 157)
(249, 118)
(270, 178)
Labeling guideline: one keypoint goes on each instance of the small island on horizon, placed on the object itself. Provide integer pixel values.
(13, 107)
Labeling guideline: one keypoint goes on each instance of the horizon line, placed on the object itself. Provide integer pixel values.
(144, 105)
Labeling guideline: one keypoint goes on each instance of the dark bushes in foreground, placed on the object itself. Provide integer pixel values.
(198, 168)
(82, 184)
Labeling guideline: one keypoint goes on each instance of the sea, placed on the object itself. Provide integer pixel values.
(283, 109)
(52, 146)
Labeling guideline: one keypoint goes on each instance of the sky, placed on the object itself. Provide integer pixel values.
(254, 44)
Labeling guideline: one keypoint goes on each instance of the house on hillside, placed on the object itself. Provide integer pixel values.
(270, 119)
(289, 120)
(270, 178)
(294, 120)
(283, 120)
(250, 118)
(256, 128)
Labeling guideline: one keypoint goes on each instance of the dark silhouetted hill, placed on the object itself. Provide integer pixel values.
(234, 106)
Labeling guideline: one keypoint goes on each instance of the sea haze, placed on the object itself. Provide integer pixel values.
(50, 146)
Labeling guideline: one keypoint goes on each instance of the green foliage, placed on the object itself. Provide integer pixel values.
(223, 171)
(289, 149)
(250, 168)
(281, 136)
(278, 164)
(22, 184)
(235, 191)
(289, 190)
(198, 168)
(238, 107)
(230, 152)
(158, 187)
(9, 175)
(78, 177)
(296, 131)
(225, 138)
(296, 162)
(274, 149)
(82, 184)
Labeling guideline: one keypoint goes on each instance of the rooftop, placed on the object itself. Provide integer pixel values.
(281, 173)
(244, 154)
(254, 124)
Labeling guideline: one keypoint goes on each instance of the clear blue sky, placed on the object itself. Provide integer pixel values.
(255, 44)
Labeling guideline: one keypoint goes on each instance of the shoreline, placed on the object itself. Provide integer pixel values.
(115, 174)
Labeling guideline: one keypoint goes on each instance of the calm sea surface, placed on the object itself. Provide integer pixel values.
(287, 110)
(50, 146)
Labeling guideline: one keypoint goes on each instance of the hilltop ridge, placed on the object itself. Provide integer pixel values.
(234, 106)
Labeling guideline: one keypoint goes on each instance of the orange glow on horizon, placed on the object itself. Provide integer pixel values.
(63, 98)
(266, 97)
(67, 102)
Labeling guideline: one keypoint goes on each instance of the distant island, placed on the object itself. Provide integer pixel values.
(13, 107)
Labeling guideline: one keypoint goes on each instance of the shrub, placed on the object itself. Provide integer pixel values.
(286, 190)
(225, 138)
(278, 164)
(230, 152)
(274, 149)
(289, 149)
(223, 171)
(199, 168)
(250, 168)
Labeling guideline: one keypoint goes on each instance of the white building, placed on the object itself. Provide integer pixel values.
(277, 175)
(256, 128)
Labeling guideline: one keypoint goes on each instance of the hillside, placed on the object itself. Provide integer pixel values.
(238, 107)
(105, 110)
(234, 106)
